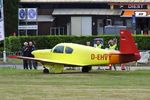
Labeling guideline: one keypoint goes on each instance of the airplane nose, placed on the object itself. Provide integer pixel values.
(33, 52)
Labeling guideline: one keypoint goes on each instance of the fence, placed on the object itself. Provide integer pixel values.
(18, 53)
(145, 56)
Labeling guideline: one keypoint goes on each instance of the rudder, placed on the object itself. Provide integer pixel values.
(128, 48)
(127, 43)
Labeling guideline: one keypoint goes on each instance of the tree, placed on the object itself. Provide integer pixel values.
(11, 16)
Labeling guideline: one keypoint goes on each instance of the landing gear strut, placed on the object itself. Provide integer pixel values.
(86, 69)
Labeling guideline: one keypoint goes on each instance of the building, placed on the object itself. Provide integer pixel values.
(83, 17)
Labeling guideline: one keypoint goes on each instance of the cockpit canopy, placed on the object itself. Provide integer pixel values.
(62, 49)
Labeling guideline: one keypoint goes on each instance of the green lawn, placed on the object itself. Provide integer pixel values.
(98, 85)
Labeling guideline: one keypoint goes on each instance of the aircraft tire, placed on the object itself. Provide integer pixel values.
(45, 71)
(86, 69)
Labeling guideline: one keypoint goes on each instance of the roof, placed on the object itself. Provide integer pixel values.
(86, 12)
(84, 1)
(43, 18)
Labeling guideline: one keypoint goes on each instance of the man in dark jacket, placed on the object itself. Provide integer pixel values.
(31, 48)
(25, 53)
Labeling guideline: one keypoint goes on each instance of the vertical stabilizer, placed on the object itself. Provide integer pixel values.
(128, 48)
(127, 43)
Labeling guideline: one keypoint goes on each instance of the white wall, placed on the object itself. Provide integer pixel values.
(76, 26)
(86, 26)
(81, 26)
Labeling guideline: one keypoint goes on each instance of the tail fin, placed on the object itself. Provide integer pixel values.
(127, 43)
(128, 48)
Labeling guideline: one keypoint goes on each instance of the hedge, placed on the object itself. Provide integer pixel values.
(45, 42)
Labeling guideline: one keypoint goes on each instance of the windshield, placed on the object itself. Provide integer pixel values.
(58, 49)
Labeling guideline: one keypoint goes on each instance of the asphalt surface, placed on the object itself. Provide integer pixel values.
(16, 66)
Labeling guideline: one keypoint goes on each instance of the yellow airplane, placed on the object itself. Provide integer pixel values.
(76, 55)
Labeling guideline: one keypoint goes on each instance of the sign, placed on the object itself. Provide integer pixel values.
(1, 30)
(136, 6)
(137, 13)
(142, 13)
(22, 13)
(27, 13)
(32, 13)
(28, 27)
(1, 21)
(130, 6)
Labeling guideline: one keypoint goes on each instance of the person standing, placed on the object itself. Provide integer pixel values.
(112, 46)
(98, 44)
(25, 53)
(31, 62)
(88, 43)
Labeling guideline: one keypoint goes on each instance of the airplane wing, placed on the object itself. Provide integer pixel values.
(45, 60)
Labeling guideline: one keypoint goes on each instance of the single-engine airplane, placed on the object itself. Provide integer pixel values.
(76, 55)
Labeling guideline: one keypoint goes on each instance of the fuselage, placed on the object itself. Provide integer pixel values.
(76, 54)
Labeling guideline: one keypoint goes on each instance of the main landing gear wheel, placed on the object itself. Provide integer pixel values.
(45, 71)
(86, 69)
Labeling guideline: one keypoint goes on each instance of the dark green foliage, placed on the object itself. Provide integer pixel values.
(14, 44)
(143, 42)
(11, 16)
(47, 42)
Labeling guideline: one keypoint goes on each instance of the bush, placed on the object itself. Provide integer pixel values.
(143, 42)
(43, 42)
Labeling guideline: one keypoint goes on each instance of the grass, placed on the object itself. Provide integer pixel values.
(98, 85)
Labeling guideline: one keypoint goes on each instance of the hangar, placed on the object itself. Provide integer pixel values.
(83, 17)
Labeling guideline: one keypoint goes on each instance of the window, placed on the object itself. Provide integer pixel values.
(59, 49)
(57, 31)
(68, 50)
(108, 22)
(118, 22)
